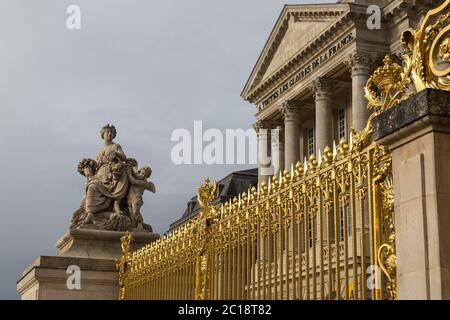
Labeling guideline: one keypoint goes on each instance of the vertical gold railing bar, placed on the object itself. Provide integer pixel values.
(160, 291)
(371, 214)
(307, 243)
(163, 288)
(215, 272)
(239, 267)
(228, 281)
(280, 245)
(166, 278)
(158, 283)
(321, 256)
(187, 279)
(269, 254)
(363, 230)
(181, 280)
(222, 271)
(300, 256)
(354, 235)
(211, 255)
(294, 262)
(184, 282)
(249, 269)
(286, 247)
(337, 238)
(258, 252)
(346, 255)
(233, 272)
(242, 269)
(254, 267)
(377, 232)
(330, 262)
(314, 257)
(193, 276)
(218, 272)
(275, 256)
(264, 259)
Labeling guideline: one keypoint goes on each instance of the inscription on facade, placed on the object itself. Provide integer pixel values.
(306, 70)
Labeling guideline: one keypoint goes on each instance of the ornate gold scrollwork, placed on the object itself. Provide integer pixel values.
(387, 259)
(426, 63)
(123, 264)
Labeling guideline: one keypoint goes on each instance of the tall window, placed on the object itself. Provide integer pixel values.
(342, 123)
(311, 141)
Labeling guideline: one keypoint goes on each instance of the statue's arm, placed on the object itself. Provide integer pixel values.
(142, 183)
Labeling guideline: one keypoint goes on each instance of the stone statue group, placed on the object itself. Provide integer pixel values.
(114, 189)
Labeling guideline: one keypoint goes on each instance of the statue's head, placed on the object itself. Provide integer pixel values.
(145, 172)
(110, 130)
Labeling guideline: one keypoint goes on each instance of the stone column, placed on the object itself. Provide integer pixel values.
(278, 149)
(324, 113)
(417, 132)
(265, 169)
(292, 133)
(360, 66)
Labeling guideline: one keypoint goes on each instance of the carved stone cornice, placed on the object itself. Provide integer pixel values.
(290, 110)
(322, 88)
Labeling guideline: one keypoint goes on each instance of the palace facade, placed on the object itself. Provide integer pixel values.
(308, 83)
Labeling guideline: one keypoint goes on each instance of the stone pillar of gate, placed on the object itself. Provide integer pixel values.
(263, 130)
(322, 89)
(417, 131)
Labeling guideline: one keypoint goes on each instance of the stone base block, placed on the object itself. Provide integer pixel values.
(47, 277)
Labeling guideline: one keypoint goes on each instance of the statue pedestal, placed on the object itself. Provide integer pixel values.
(99, 244)
(93, 253)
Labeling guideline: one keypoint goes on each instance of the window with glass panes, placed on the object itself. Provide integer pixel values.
(310, 141)
(342, 124)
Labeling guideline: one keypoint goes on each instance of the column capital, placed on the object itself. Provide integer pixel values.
(290, 110)
(362, 63)
(322, 88)
(265, 125)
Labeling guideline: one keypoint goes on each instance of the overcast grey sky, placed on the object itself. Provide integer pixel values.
(148, 67)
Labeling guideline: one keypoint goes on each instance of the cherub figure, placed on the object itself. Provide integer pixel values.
(138, 185)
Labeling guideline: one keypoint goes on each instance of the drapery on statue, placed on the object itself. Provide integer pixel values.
(114, 189)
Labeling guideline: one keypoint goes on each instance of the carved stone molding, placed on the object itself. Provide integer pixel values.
(322, 88)
(265, 125)
(363, 63)
(290, 110)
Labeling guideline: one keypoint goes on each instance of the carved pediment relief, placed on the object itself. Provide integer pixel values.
(298, 26)
(298, 34)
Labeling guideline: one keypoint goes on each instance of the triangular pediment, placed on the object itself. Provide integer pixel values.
(297, 26)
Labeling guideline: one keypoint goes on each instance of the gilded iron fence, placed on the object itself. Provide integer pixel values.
(325, 230)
